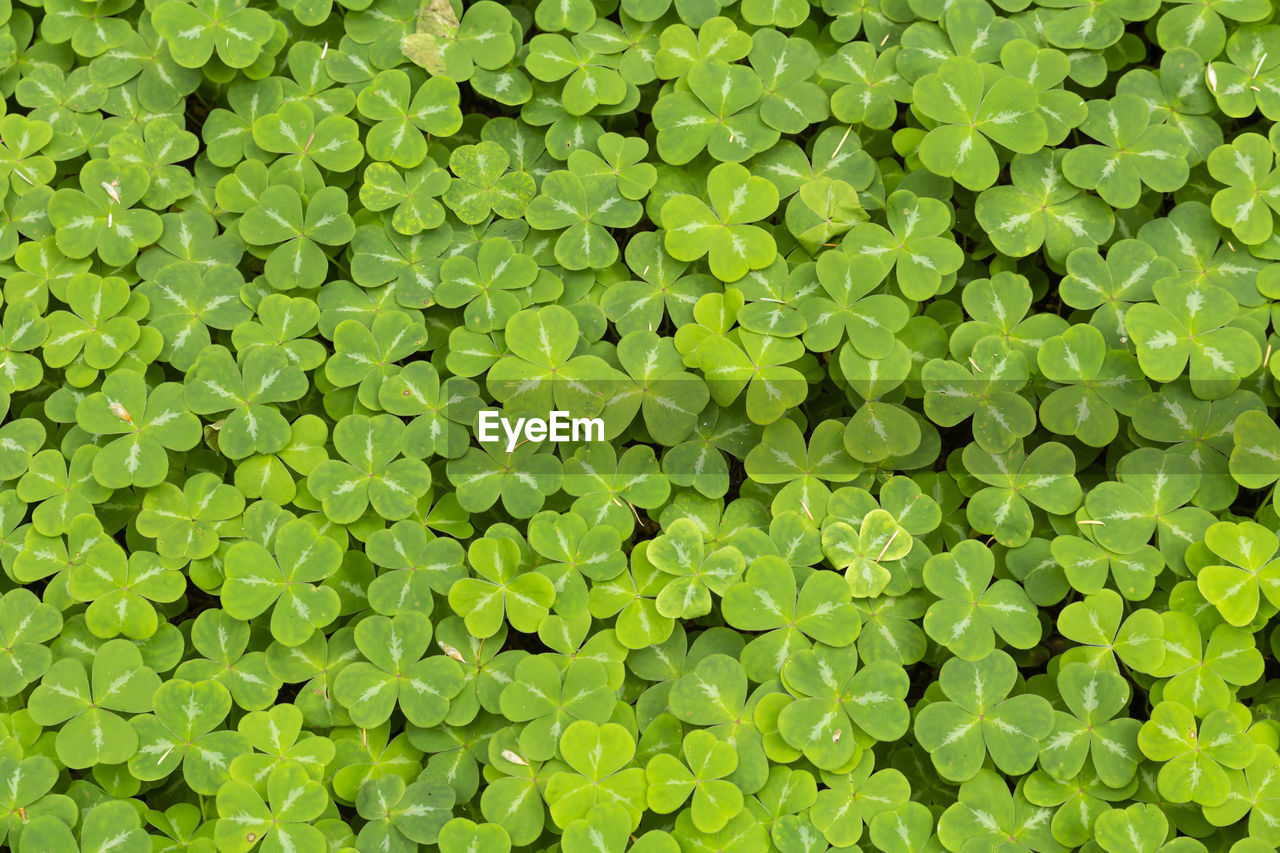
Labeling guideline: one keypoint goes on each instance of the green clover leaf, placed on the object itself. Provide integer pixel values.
(720, 113)
(398, 135)
(599, 757)
(282, 820)
(1252, 190)
(217, 384)
(197, 28)
(971, 111)
(1195, 756)
(397, 674)
(1131, 153)
(89, 707)
(837, 712)
(969, 613)
(981, 719)
(284, 579)
(371, 475)
(149, 421)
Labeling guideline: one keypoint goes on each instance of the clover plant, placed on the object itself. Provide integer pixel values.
(665, 426)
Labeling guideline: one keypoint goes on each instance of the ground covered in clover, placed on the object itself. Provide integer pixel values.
(933, 346)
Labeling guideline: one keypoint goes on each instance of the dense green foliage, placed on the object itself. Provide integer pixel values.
(932, 343)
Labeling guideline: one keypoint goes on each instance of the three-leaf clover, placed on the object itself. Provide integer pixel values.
(1091, 729)
(970, 609)
(1252, 191)
(584, 206)
(99, 217)
(483, 184)
(217, 384)
(187, 300)
(485, 284)
(1104, 633)
(599, 758)
(88, 705)
(839, 704)
(1195, 757)
(1249, 570)
(397, 674)
(590, 79)
(770, 599)
(150, 420)
(912, 246)
(398, 135)
(547, 699)
(371, 475)
(297, 232)
(120, 591)
(697, 572)
(720, 112)
(282, 821)
(1131, 153)
(308, 139)
(985, 814)
(184, 730)
(1045, 478)
(1098, 382)
(501, 592)
(98, 327)
(761, 365)
(1193, 323)
(972, 111)
(543, 371)
(237, 31)
(722, 230)
(1040, 209)
(980, 719)
(413, 194)
(284, 578)
(26, 624)
(850, 308)
(986, 389)
(453, 48)
(868, 551)
(401, 815)
(707, 760)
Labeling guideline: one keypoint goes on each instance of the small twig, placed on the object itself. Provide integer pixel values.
(885, 549)
(848, 131)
